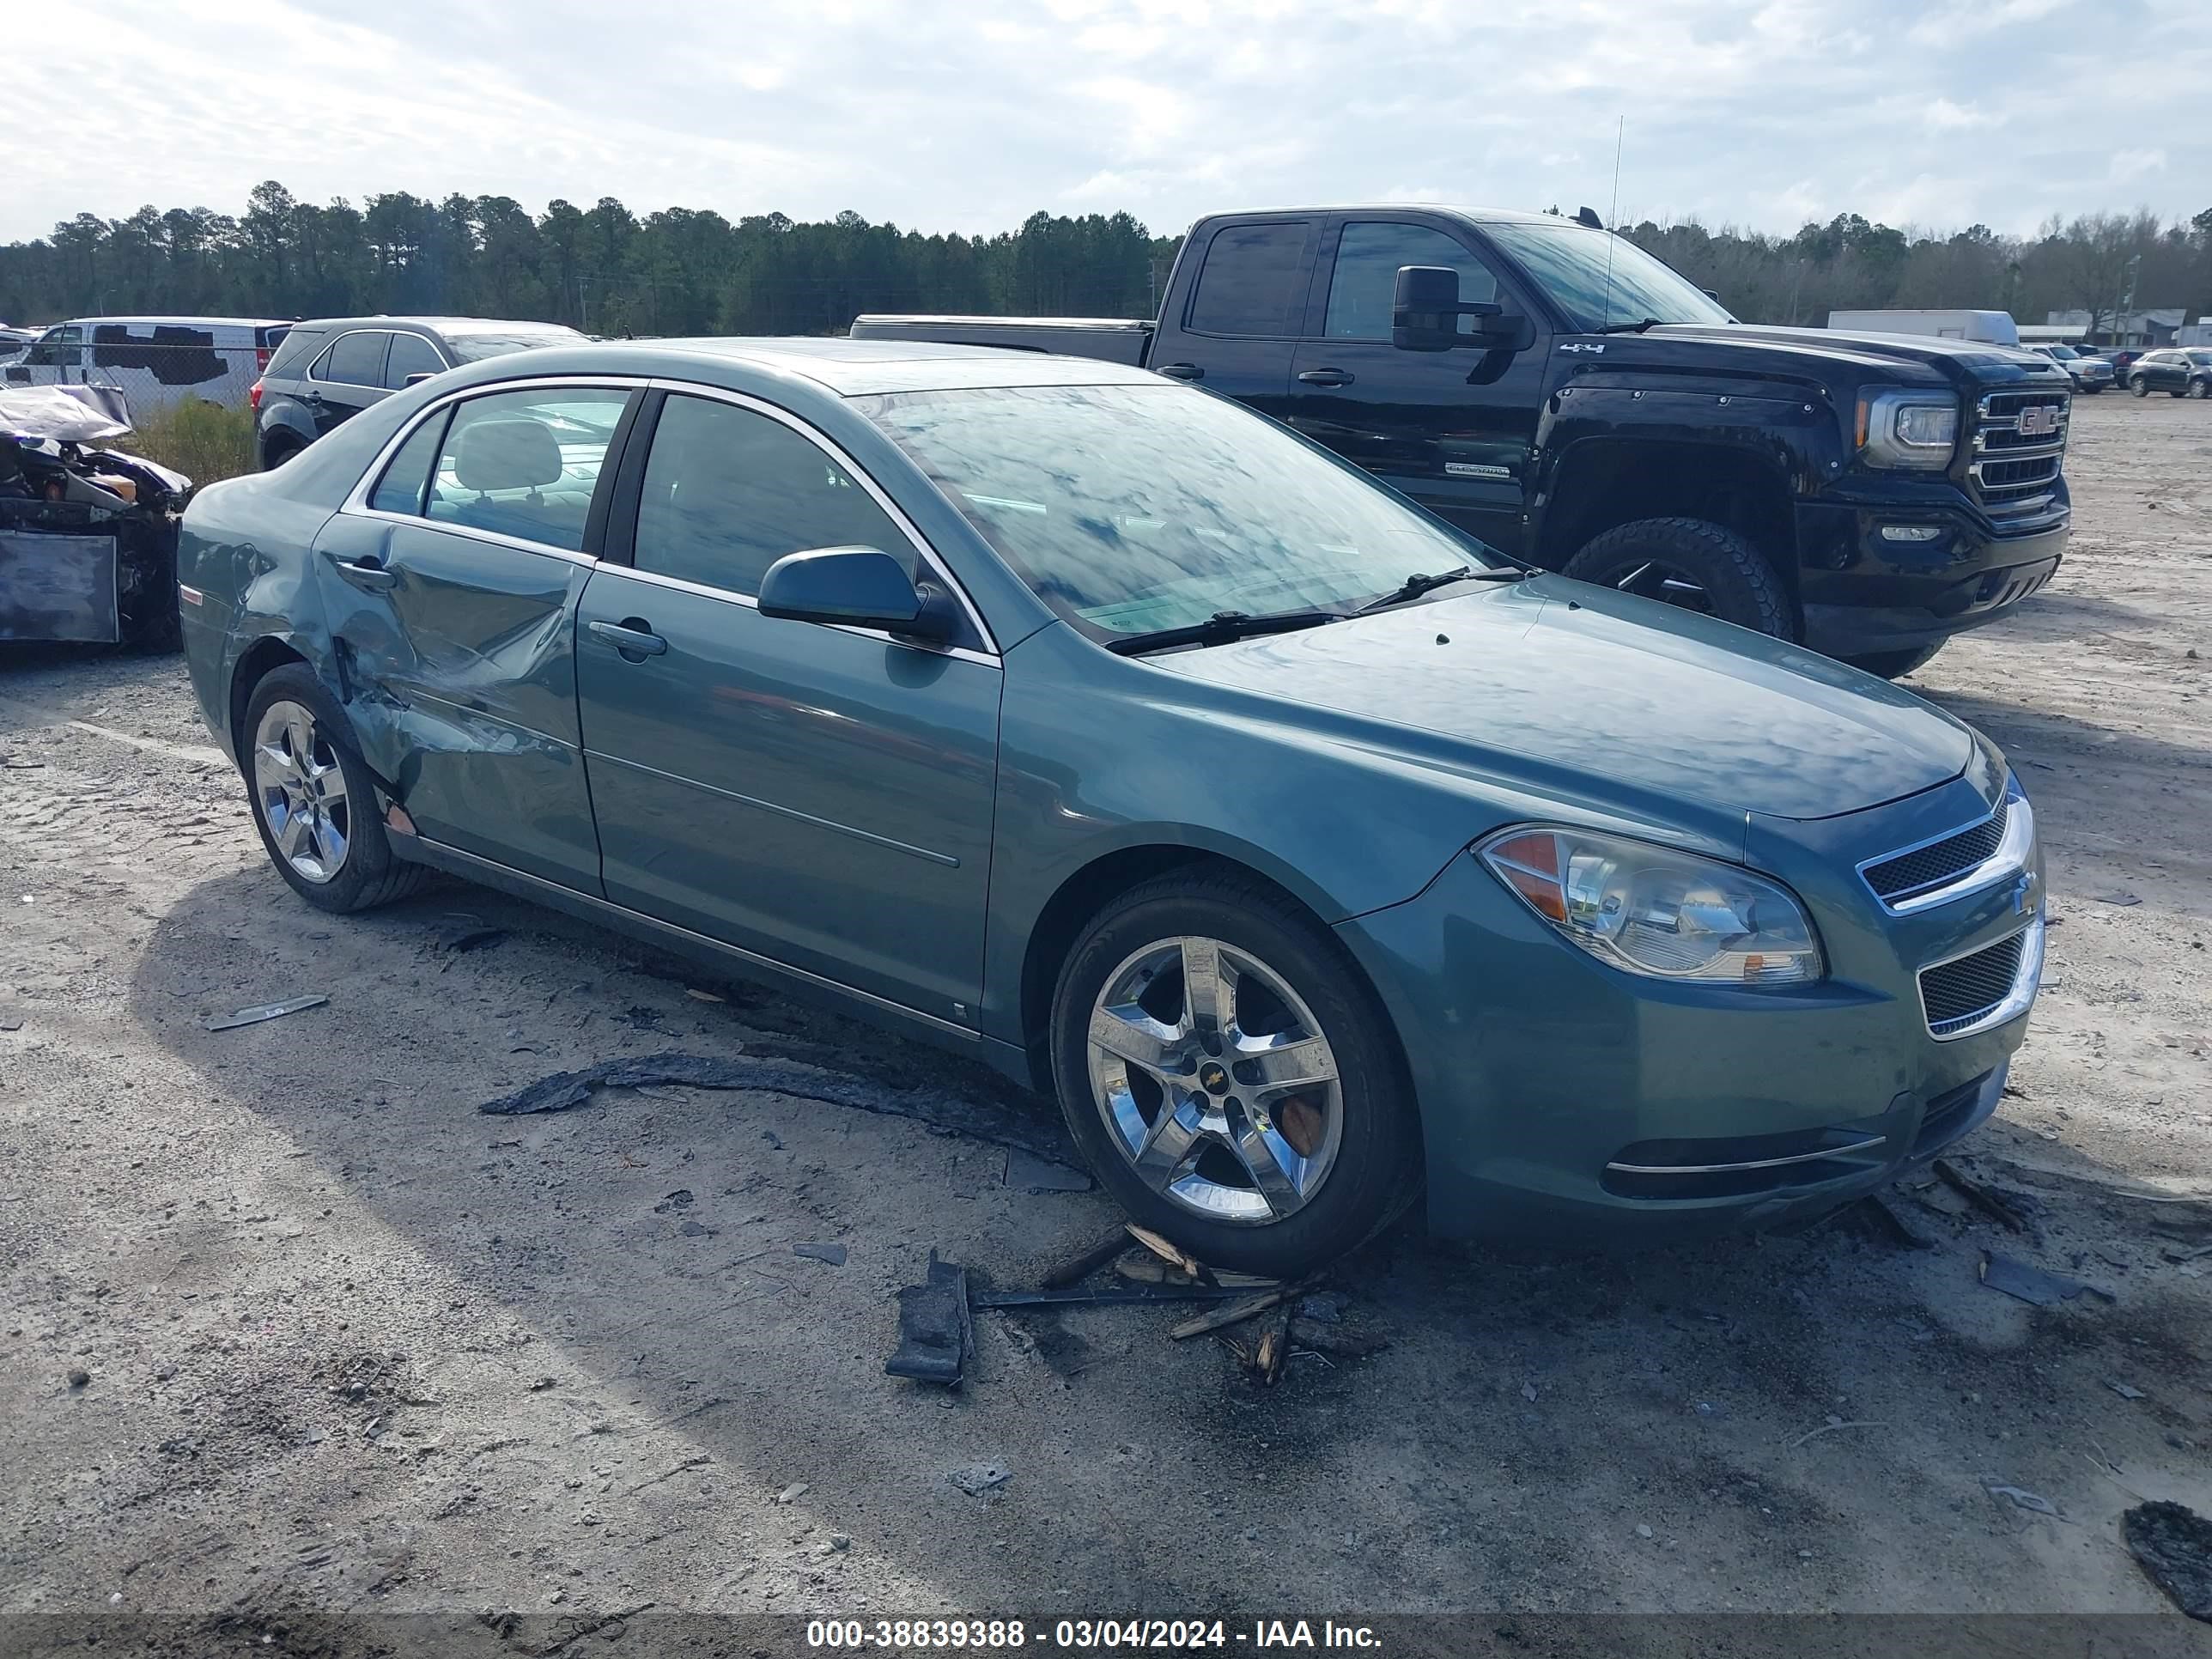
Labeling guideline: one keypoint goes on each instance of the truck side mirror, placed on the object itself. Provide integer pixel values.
(1426, 313)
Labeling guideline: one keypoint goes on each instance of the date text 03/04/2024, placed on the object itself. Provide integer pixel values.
(1092, 1635)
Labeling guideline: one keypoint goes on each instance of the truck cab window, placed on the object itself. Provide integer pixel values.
(1254, 281)
(1364, 287)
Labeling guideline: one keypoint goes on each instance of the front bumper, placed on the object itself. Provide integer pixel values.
(1563, 1100)
(1862, 593)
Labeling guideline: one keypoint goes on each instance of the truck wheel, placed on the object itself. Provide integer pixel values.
(1691, 562)
(1230, 1077)
(2139, 385)
(1895, 664)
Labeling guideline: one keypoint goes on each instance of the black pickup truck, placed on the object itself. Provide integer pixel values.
(1554, 390)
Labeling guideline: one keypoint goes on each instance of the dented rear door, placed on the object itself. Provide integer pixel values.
(451, 592)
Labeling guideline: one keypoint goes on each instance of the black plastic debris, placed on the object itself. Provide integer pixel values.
(936, 1333)
(940, 1109)
(564, 1091)
(2002, 1272)
(2173, 1544)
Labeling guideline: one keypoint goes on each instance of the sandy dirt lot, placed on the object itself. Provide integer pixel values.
(348, 1344)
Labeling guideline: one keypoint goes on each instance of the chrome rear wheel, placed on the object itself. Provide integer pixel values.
(299, 790)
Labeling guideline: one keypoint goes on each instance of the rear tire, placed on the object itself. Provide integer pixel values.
(314, 799)
(279, 450)
(1693, 562)
(1895, 664)
(1265, 1123)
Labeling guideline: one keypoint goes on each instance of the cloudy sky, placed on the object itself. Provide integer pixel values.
(969, 114)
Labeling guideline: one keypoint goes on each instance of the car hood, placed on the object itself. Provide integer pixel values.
(1962, 362)
(1615, 688)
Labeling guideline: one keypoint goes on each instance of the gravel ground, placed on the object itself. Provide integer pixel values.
(340, 1343)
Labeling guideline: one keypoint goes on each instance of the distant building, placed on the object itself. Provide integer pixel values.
(2138, 328)
(2198, 333)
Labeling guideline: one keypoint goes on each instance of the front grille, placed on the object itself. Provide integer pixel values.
(2013, 470)
(1957, 994)
(1925, 867)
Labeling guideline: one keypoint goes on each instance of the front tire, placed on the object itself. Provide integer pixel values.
(314, 799)
(2199, 388)
(1895, 664)
(2139, 385)
(1231, 1078)
(1694, 563)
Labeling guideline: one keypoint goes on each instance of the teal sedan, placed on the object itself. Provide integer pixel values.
(1319, 859)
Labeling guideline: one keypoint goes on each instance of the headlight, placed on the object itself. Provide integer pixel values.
(1653, 911)
(1916, 429)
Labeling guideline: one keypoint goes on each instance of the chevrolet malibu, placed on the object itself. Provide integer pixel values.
(1317, 858)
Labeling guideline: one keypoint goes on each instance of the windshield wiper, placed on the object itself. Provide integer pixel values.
(1420, 582)
(1632, 328)
(1218, 629)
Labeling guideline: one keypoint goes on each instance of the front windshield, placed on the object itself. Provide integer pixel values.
(1569, 263)
(2200, 357)
(1132, 508)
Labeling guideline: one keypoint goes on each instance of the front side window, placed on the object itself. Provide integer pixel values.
(728, 491)
(57, 348)
(1364, 290)
(1128, 509)
(354, 359)
(524, 464)
(1598, 279)
(1254, 281)
(410, 354)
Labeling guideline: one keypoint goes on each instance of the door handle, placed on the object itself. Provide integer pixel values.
(1182, 371)
(367, 573)
(1325, 377)
(633, 636)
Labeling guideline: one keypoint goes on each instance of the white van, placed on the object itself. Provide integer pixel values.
(154, 362)
(1990, 327)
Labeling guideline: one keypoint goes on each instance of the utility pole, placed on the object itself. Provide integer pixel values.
(2123, 299)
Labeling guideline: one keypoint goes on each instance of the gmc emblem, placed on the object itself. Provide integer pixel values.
(2038, 419)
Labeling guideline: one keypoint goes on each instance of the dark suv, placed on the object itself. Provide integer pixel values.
(2183, 371)
(330, 369)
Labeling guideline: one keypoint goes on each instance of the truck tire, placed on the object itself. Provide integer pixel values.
(1895, 664)
(1691, 562)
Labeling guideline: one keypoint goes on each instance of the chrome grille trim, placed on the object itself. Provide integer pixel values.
(2015, 845)
(2023, 973)
(2012, 470)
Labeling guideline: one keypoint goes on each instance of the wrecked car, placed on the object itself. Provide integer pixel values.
(1318, 857)
(87, 533)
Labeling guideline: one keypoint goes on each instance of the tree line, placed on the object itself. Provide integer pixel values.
(683, 270)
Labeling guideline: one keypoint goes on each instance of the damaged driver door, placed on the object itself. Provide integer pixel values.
(451, 584)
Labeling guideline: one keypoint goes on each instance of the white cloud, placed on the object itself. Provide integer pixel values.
(969, 116)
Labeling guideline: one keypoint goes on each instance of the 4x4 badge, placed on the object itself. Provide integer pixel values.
(1581, 345)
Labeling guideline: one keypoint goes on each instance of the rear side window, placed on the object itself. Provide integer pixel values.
(524, 464)
(410, 354)
(354, 359)
(728, 491)
(298, 346)
(400, 489)
(1254, 281)
(1364, 290)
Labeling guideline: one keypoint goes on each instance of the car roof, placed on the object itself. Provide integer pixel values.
(853, 368)
(442, 325)
(1481, 216)
(177, 322)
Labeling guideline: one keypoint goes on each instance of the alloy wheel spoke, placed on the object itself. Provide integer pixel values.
(1627, 584)
(1167, 1145)
(1299, 1064)
(1268, 1159)
(299, 836)
(275, 764)
(1130, 1034)
(1209, 987)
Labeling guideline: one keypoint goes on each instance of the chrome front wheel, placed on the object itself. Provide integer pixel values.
(1215, 1080)
(299, 790)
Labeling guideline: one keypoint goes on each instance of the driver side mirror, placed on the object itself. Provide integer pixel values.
(857, 587)
(1425, 313)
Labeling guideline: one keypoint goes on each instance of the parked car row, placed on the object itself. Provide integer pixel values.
(2090, 372)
